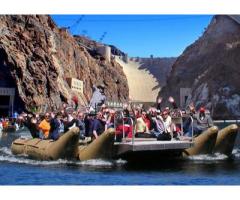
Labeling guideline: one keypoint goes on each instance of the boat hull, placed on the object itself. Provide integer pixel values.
(65, 147)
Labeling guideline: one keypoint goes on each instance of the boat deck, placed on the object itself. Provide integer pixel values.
(142, 144)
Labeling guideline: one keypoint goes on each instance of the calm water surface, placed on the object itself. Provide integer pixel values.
(198, 170)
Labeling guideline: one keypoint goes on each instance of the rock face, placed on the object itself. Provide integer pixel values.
(210, 68)
(91, 45)
(37, 57)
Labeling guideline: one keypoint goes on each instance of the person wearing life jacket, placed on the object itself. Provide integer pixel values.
(44, 126)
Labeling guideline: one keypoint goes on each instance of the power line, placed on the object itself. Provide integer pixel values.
(76, 22)
(103, 36)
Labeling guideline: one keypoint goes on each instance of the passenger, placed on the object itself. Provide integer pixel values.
(98, 125)
(141, 129)
(5, 123)
(72, 121)
(123, 128)
(173, 103)
(166, 126)
(81, 125)
(15, 115)
(152, 113)
(88, 120)
(158, 126)
(146, 119)
(201, 121)
(159, 102)
(98, 97)
(170, 100)
(31, 123)
(45, 127)
(110, 120)
(57, 127)
(1, 126)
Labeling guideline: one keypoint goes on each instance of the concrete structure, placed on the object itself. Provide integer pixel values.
(105, 51)
(125, 58)
(184, 94)
(7, 100)
(76, 85)
(143, 86)
(236, 18)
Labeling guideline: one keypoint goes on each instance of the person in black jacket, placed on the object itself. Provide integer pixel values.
(31, 122)
(57, 127)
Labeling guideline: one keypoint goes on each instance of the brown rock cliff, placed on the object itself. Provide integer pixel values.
(37, 57)
(210, 67)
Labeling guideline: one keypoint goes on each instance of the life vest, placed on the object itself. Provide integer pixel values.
(45, 128)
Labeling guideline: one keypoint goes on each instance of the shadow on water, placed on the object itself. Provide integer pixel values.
(207, 164)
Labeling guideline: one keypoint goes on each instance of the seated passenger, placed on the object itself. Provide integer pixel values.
(123, 128)
(71, 121)
(81, 125)
(110, 120)
(146, 119)
(141, 128)
(1, 126)
(31, 123)
(88, 121)
(98, 125)
(201, 122)
(57, 127)
(45, 127)
(164, 124)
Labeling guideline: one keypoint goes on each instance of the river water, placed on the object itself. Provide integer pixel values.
(197, 170)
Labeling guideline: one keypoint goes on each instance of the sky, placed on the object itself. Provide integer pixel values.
(139, 35)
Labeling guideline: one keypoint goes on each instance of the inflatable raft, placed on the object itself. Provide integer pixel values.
(204, 143)
(226, 140)
(65, 147)
(102, 147)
